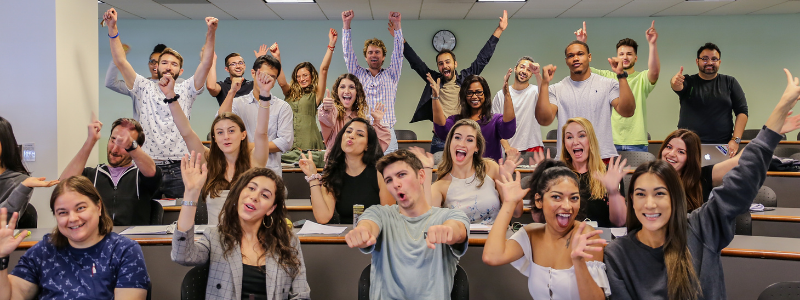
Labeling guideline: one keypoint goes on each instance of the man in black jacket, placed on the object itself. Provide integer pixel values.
(451, 81)
(129, 180)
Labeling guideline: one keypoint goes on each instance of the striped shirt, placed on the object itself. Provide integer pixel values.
(383, 87)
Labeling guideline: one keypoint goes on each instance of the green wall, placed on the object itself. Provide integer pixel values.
(754, 50)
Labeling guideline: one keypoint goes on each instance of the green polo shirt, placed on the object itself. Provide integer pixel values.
(633, 130)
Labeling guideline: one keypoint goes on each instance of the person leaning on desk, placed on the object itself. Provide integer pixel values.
(252, 240)
(98, 263)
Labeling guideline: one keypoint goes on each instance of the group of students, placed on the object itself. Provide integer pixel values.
(238, 187)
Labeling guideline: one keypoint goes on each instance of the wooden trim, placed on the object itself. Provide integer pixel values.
(774, 218)
(413, 141)
(766, 254)
(322, 239)
(299, 208)
(172, 208)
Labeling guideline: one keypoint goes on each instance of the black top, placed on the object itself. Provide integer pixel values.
(254, 283)
(129, 201)
(362, 189)
(225, 85)
(595, 209)
(706, 181)
(706, 107)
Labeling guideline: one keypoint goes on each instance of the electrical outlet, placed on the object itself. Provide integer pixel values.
(28, 153)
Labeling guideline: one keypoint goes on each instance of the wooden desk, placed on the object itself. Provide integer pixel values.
(781, 222)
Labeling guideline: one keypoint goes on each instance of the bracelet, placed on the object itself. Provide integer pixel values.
(314, 185)
(259, 105)
(434, 98)
(113, 37)
(188, 203)
(3, 263)
(168, 100)
(313, 177)
(331, 48)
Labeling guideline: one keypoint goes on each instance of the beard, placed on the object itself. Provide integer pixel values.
(122, 161)
(633, 63)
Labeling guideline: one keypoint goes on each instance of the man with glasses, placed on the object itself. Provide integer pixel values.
(235, 66)
(707, 100)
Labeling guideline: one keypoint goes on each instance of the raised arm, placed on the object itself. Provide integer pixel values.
(506, 168)
(227, 104)
(617, 209)
(350, 58)
(720, 169)
(260, 153)
(211, 82)
(12, 287)
(508, 104)
(193, 142)
(396, 64)
(625, 105)
(582, 249)
(117, 51)
(144, 162)
(326, 64)
(286, 88)
(545, 111)
(653, 62)
(185, 250)
(502, 26)
(77, 164)
(498, 251)
(439, 117)
(327, 115)
(208, 54)
(323, 203)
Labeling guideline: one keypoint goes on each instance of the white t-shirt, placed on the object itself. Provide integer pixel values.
(281, 127)
(529, 134)
(163, 140)
(590, 99)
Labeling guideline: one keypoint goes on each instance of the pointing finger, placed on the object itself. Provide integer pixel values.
(653, 25)
(327, 93)
(681, 71)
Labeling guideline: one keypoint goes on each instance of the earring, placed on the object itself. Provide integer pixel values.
(270, 222)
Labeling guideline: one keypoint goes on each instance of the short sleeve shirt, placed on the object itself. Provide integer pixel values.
(590, 99)
(164, 141)
(403, 267)
(528, 134)
(280, 128)
(90, 273)
(633, 130)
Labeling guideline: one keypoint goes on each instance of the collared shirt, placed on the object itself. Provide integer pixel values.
(225, 86)
(164, 141)
(382, 87)
(280, 131)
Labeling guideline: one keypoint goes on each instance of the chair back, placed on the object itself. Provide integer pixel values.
(402, 134)
(460, 284)
(766, 196)
(626, 183)
(552, 135)
(636, 158)
(29, 218)
(194, 283)
(156, 213)
(744, 224)
(784, 152)
(781, 291)
(795, 156)
(437, 158)
(201, 216)
(750, 134)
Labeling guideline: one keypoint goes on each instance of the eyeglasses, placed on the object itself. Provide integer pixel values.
(474, 93)
(233, 64)
(706, 59)
(152, 61)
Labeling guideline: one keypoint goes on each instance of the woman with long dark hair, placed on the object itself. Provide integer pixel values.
(253, 250)
(476, 104)
(16, 185)
(669, 255)
(349, 177)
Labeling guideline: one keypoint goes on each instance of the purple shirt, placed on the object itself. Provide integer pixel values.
(116, 173)
(493, 131)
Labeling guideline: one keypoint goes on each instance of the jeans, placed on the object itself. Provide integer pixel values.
(437, 144)
(171, 181)
(637, 148)
(393, 144)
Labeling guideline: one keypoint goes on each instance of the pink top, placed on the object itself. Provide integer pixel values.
(331, 127)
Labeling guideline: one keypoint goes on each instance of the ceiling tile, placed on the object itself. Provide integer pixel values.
(333, 9)
(790, 7)
(742, 7)
(544, 8)
(593, 9)
(439, 11)
(642, 8)
(246, 9)
(297, 11)
(410, 9)
(690, 8)
(493, 10)
(146, 9)
(121, 14)
(200, 11)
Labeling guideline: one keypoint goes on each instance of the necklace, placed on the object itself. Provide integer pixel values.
(421, 233)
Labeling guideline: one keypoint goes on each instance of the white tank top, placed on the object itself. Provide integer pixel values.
(214, 206)
(481, 204)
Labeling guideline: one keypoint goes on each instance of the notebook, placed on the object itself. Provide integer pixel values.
(159, 229)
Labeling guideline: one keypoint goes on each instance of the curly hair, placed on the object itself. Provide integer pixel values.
(295, 90)
(359, 105)
(276, 239)
(336, 165)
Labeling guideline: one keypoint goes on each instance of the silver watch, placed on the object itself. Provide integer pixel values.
(188, 203)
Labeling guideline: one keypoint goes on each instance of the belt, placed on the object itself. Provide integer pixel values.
(166, 162)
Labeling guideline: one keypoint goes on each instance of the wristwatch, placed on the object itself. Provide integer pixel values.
(133, 146)
(188, 203)
(262, 98)
(738, 140)
(623, 75)
(3, 263)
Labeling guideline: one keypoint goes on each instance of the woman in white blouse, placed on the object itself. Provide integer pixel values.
(563, 258)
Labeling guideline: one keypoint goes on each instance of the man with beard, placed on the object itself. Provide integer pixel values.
(380, 85)
(129, 180)
(166, 145)
(235, 66)
(451, 81)
(587, 95)
(434, 238)
(630, 134)
(707, 99)
(524, 95)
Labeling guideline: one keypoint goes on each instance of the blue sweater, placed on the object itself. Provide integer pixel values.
(637, 271)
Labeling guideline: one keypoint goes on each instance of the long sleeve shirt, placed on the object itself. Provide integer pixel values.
(331, 125)
(382, 87)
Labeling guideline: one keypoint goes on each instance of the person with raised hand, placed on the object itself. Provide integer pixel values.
(685, 249)
(305, 93)
(349, 102)
(151, 109)
(587, 95)
(82, 258)
(380, 84)
(433, 238)
(229, 154)
(254, 249)
(563, 258)
(708, 99)
(528, 138)
(630, 134)
(235, 66)
(112, 81)
(350, 177)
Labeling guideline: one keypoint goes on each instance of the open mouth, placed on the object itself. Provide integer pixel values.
(401, 196)
(76, 227)
(227, 144)
(563, 219)
(651, 217)
(577, 152)
(250, 207)
(522, 76)
(447, 73)
(461, 155)
(475, 103)
(672, 161)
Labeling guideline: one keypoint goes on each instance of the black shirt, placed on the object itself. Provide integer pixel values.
(362, 189)
(706, 181)
(225, 86)
(129, 201)
(706, 107)
(254, 282)
(595, 209)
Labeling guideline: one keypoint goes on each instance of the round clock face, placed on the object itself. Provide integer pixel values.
(444, 39)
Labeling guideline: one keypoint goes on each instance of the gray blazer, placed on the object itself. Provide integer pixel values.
(225, 272)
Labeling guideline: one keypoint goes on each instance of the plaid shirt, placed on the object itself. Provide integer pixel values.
(382, 87)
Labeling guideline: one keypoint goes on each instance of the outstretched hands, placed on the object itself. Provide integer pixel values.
(505, 82)
(615, 173)
(423, 156)
(582, 242)
(651, 33)
(9, 242)
(435, 85)
(261, 51)
(377, 113)
(538, 157)
(511, 190)
(580, 34)
(677, 81)
(33, 182)
(193, 172)
(509, 163)
(307, 164)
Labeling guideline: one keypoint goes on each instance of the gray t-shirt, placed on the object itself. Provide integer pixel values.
(403, 267)
(590, 99)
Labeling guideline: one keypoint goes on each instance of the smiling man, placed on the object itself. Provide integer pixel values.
(433, 238)
(528, 137)
(235, 66)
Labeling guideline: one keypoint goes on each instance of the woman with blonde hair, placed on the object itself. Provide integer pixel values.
(601, 200)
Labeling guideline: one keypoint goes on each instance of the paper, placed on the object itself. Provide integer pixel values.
(315, 228)
(756, 207)
(618, 232)
(165, 203)
(479, 228)
(153, 229)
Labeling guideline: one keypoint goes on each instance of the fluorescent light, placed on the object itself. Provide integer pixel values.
(100, 2)
(502, 0)
(289, 1)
